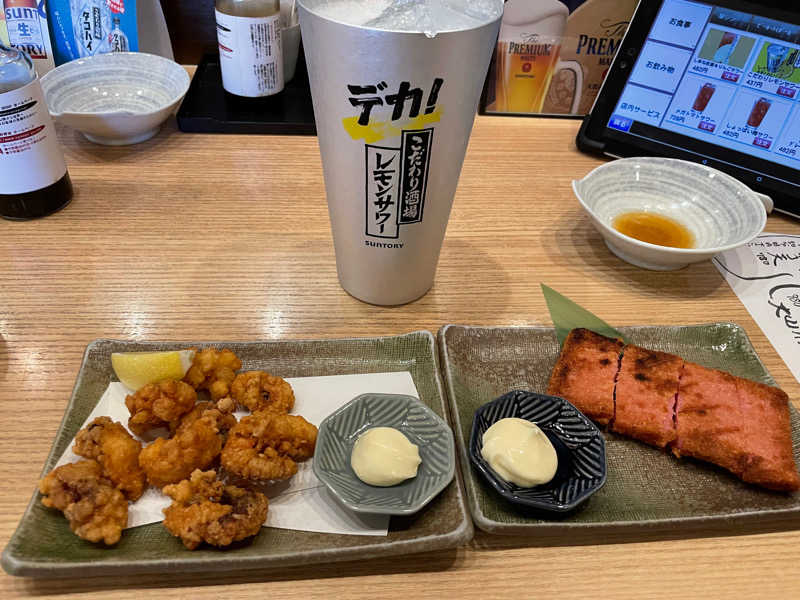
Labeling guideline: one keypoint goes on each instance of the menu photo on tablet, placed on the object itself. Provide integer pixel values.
(726, 78)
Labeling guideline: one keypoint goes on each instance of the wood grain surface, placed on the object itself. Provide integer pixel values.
(227, 237)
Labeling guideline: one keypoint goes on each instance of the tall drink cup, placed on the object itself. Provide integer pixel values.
(394, 110)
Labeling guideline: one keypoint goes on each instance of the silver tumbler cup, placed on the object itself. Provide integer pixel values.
(393, 111)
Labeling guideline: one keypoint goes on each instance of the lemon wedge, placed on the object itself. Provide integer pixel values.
(137, 369)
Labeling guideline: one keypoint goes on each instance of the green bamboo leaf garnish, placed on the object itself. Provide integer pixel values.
(567, 316)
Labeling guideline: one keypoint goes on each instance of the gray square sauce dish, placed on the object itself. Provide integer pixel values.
(423, 427)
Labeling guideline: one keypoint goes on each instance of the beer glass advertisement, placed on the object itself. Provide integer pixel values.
(552, 55)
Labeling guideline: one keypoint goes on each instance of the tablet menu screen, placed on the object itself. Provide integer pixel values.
(722, 76)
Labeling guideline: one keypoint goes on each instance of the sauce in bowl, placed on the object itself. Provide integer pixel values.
(519, 452)
(384, 456)
(654, 229)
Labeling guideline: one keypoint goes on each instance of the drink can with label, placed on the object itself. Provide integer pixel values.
(395, 87)
(25, 28)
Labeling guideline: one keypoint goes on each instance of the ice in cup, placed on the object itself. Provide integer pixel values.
(395, 87)
(703, 97)
(758, 112)
(775, 55)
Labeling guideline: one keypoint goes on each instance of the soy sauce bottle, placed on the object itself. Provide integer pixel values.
(34, 181)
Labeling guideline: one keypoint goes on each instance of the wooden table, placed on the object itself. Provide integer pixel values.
(227, 237)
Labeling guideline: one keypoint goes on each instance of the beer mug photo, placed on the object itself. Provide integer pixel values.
(527, 56)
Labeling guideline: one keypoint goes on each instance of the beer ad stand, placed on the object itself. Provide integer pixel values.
(552, 56)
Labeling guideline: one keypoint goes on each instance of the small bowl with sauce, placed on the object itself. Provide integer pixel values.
(663, 214)
(407, 419)
(579, 446)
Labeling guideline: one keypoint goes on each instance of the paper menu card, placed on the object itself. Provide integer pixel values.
(303, 503)
(765, 275)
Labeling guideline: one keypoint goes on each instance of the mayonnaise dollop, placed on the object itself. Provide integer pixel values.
(519, 452)
(383, 456)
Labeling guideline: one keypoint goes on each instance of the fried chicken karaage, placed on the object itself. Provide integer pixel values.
(203, 509)
(258, 390)
(225, 420)
(213, 370)
(116, 450)
(159, 404)
(195, 445)
(96, 510)
(267, 444)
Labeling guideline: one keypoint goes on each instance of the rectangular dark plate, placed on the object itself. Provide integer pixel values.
(648, 493)
(43, 545)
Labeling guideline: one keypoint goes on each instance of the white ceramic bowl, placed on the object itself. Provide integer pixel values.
(118, 98)
(720, 212)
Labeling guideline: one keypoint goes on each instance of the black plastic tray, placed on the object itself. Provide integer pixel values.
(208, 108)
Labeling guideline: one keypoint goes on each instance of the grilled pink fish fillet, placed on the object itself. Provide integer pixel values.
(585, 372)
(647, 386)
(738, 424)
(659, 399)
